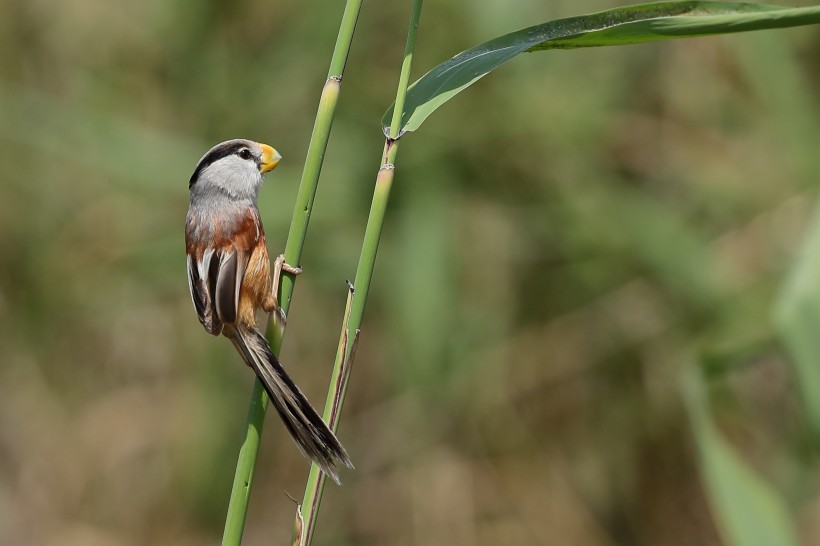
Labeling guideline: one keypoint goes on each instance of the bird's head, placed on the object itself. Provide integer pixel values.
(234, 167)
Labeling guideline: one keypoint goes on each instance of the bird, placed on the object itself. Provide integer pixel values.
(230, 278)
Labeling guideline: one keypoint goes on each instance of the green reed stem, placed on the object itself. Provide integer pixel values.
(246, 462)
(364, 272)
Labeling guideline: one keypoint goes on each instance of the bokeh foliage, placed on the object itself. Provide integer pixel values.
(561, 239)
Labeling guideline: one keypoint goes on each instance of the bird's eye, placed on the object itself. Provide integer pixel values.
(244, 153)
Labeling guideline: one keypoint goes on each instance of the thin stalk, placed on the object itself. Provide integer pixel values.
(246, 462)
(357, 298)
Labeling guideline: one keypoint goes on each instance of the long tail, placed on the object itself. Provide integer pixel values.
(313, 437)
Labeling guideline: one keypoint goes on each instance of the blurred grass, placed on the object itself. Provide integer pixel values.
(748, 511)
(581, 219)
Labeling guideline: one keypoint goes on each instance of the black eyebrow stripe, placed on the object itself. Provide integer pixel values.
(223, 150)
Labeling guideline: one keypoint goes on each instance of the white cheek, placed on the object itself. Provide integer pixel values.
(236, 175)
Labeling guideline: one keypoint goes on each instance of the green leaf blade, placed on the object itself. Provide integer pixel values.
(748, 511)
(452, 76)
(620, 26)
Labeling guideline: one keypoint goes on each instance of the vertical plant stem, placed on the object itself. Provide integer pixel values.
(246, 462)
(364, 272)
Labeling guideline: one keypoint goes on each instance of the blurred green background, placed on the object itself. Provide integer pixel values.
(565, 240)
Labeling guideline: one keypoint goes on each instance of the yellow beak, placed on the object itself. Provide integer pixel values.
(270, 158)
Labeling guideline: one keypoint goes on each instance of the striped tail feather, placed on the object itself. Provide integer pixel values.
(310, 433)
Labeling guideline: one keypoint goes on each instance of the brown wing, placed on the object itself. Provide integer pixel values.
(217, 260)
